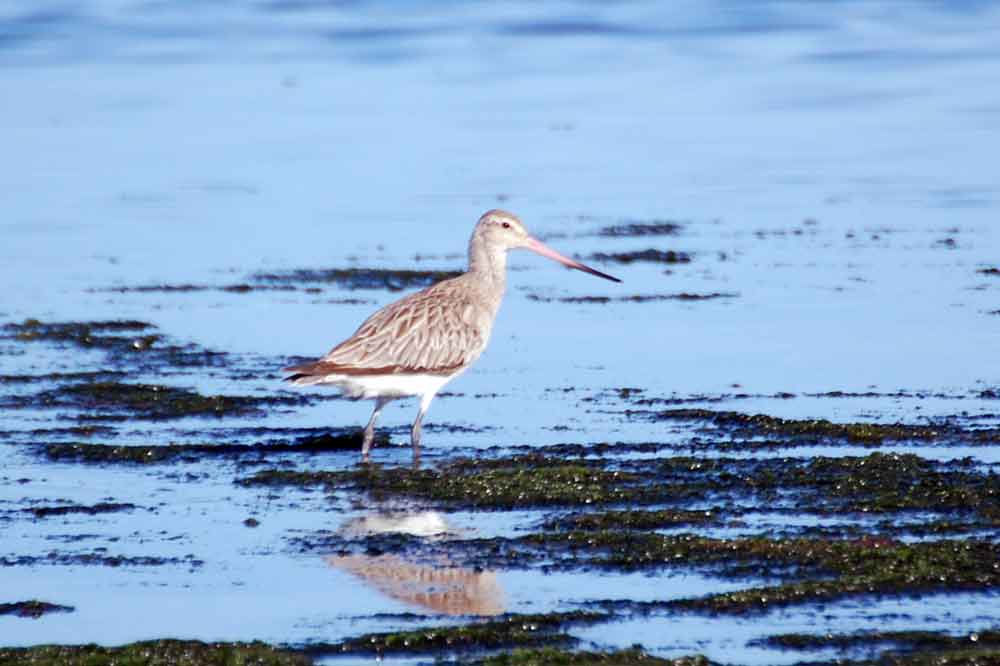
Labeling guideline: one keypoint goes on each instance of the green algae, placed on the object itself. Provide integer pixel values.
(124, 335)
(646, 256)
(86, 430)
(875, 484)
(865, 568)
(284, 477)
(809, 570)
(504, 632)
(814, 570)
(99, 558)
(908, 640)
(889, 483)
(151, 401)
(556, 657)
(872, 433)
(969, 657)
(909, 648)
(883, 483)
(192, 288)
(631, 520)
(33, 608)
(635, 229)
(171, 652)
(929, 562)
(359, 278)
(155, 653)
(90, 510)
(498, 484)
(62, 377)
(125, 341)
(634, 298)
(159, 453)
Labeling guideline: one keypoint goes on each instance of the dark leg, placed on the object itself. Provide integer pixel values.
(366, 445)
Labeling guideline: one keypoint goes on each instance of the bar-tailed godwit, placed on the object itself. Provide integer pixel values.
(418, 344)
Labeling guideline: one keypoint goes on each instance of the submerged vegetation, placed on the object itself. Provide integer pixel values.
(645, 256)
(158, 453)
(33, 608)
(882, 524)
(634, 298)
(636, 229)
(151, 401)
(878, 483)
(357, 278)
(155, 653)
(504, 632)
(126, 342)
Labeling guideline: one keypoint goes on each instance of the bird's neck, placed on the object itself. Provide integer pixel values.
(488, 264)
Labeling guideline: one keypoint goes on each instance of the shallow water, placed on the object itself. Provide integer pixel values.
(832, 165)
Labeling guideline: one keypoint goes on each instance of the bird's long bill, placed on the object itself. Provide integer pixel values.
(541, 248)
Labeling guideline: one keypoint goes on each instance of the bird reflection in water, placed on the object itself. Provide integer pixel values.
(441, 588)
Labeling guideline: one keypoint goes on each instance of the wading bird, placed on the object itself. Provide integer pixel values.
(415, 346)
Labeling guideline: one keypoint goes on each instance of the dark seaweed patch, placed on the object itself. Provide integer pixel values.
(787, 571)
(874, 484)
(156, 653)
(102, 376)
(635, 298)
(504, 632)
(74, 431)
(193, 288)
(358, 278)
(636, 229)
(158, 453)
(503, 485)
(32, 609)
(873, 433)
(818, 565)
(90, 510)
(124, 341)
(243, 288)
(904, 640)
(556, 657)
(631, 520)
(638, 397)
(97, 559)
(150, 401)
(645, 256)
(170, 652)
(95, 334)
(816, 570)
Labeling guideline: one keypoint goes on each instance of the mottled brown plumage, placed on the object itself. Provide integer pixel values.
(417, 344)
(437, 331)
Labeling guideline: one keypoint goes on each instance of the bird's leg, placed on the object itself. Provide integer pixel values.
(370, 428)
(415, 437)
(425, 403)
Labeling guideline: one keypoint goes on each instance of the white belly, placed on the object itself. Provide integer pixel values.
(386, 386)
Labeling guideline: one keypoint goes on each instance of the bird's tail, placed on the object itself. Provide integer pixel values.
(304, 374)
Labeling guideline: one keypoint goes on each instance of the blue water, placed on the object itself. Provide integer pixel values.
(832, 164)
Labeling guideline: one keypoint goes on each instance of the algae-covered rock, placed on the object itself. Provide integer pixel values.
(556, 657)
(503, 632)
(155, 653)
(32, 608)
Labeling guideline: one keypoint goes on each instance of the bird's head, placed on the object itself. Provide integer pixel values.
(504, 231)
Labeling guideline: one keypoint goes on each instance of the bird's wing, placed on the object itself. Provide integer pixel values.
(436, 331)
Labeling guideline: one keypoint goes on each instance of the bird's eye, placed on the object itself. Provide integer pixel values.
(506, 225)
